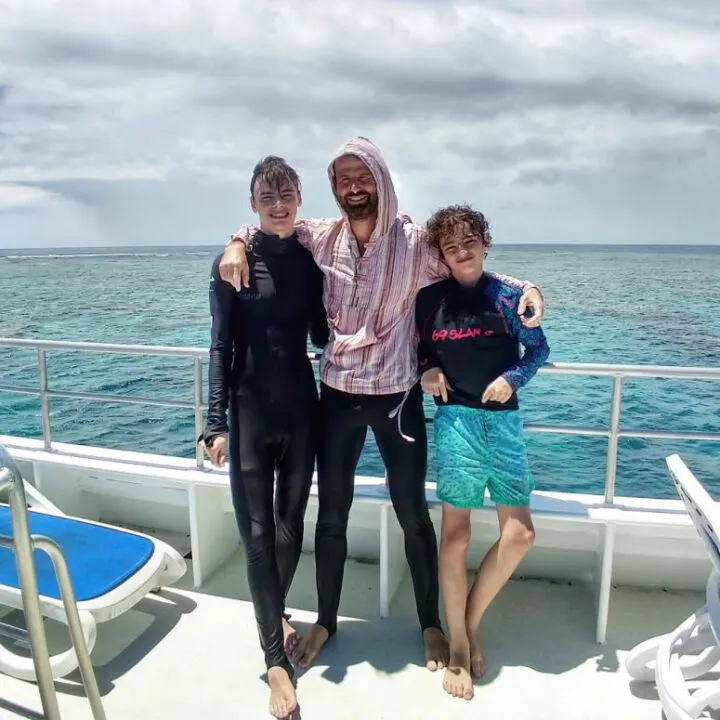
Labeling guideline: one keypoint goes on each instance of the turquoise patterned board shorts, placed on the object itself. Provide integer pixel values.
(477, 449)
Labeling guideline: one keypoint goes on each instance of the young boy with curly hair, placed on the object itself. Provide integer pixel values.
(469, 353)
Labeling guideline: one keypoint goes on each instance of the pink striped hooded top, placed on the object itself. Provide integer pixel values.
(370, 299)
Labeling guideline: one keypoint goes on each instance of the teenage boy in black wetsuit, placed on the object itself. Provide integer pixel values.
(468, 349)
(259, 363)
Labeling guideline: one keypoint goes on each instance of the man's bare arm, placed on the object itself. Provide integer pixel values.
(234, 265)
(309, 232)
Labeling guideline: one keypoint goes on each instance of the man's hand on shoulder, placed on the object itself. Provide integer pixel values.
(234, 266)
(533, 299)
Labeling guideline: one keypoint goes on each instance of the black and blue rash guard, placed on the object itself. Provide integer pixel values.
(258, 350)
(473, 334)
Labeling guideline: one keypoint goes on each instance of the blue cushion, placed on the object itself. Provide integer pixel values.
(99, 558)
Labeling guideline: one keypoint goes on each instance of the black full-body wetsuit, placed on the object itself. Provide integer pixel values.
(259, 363)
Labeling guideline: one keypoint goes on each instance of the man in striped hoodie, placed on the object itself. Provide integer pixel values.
(374, 261)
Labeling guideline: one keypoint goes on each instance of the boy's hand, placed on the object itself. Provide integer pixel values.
(498, 390)
(531, 299)
(434, 383)
(234, 265)
(216, 453)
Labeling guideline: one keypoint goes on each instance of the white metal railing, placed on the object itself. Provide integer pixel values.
(613, 432)
(22, 543)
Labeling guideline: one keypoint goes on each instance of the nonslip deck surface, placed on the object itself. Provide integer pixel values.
(186, 654)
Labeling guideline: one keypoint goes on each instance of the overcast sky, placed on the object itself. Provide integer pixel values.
(139, 122)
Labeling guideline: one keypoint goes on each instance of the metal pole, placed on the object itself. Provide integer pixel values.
(29, 590)
(22, 543)
(612, 451)
(44, 400)
(199, 458)
(74, 624)
(5, 478)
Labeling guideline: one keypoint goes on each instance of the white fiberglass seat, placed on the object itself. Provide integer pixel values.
(111, 570)
(693, 648)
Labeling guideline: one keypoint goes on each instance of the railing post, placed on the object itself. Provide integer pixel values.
(25, 563)
(612, 451)
(67, 593)
(199, 457)
(22, 542)
(44, 400)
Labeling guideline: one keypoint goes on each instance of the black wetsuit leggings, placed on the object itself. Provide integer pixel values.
(345, 419)
(272, 533)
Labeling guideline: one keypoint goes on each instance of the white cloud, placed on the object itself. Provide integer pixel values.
(140, 122)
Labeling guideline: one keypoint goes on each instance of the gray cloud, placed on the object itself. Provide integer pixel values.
(140, 123)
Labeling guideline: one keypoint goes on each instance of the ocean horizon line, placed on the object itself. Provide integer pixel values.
(88, 250)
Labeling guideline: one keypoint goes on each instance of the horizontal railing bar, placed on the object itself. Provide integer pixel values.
(103, 397)
(663, 435)
(552, 429)
(111, 348)
(558, 429)
(639, 434)
(19, 390)
(567, 430)
(115, 348)
(647, 371)
(618, 372)
(656, 371)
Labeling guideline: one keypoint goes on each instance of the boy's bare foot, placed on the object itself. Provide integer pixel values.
(308, 648)
(290, 637)
(457, 681)
(477, 659)
(282, 693)
(436, 649)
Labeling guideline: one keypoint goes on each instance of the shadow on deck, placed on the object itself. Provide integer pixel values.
(189, 654)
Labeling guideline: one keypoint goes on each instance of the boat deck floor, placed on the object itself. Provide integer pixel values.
(185, 654)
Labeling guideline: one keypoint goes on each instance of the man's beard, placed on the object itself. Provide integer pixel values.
(361, 211)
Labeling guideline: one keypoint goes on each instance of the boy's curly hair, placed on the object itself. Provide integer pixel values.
(445, 221)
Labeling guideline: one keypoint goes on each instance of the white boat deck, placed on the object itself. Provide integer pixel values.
(186, 654)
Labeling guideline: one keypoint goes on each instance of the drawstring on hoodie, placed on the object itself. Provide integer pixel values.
(398, 411)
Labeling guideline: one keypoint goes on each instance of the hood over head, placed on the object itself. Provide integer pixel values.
(368, 152)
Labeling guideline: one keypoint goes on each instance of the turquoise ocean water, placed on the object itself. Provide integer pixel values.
(647, 305)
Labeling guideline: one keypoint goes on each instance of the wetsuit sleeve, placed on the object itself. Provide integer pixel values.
(427, 358)
(319, 328)
(510, 280)
(222, 298)
(533, 341)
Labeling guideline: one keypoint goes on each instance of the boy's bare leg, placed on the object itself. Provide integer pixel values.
(517, 535)
(454, 541)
